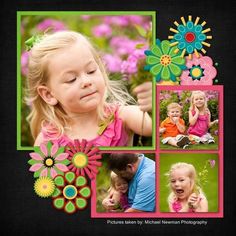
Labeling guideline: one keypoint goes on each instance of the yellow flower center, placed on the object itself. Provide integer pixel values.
(80, 160)
(196, 72)
(165, 60)
(49, 162)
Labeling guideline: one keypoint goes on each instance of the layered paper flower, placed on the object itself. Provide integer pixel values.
(83, 157)
(44, 187)
(48, 160)
(163, 62)
(71, 192)
(190, 37)
(200, 71)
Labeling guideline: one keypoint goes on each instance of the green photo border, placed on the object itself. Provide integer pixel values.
(53, 13)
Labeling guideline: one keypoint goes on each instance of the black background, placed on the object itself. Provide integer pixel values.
(22, 212)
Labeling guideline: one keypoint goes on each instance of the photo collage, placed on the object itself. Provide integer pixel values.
(116, 117)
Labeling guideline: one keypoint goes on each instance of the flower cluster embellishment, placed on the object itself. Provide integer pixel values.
(167, 62)
(61, 172)
(163, 62)
(83, 158)
(190, 37)
(71, 192)
(200, 71)
(48, 160)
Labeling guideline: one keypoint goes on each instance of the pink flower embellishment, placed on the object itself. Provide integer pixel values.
(48, 160)
(83, 157)
(200, 71)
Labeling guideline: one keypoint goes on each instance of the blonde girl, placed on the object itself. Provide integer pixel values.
(118, 191)
(200, 118)
(72, 97)
(186, 195)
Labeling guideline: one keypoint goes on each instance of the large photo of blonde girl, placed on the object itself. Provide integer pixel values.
(190, 119)
(81, 77)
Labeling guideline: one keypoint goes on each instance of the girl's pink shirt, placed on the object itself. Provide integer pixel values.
(200, 128)
(114, 134)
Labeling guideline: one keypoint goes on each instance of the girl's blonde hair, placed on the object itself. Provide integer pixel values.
(192, 174)
(113, 178)
(200, 93)
(38, 74)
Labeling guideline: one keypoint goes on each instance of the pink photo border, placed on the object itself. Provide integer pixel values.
(219, 151)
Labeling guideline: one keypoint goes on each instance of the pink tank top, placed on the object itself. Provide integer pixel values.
(124, 201)
(200, 128)
(113, 134)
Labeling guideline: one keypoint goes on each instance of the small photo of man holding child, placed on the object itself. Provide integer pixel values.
(189, 119)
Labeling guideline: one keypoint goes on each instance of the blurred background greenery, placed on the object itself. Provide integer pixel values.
(103, 180)
(198, 160)
(182, 97)
(120, 39)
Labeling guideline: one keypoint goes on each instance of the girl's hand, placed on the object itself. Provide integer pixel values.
(216, 121)
(144, 96)
(108, 204)
(193, 201)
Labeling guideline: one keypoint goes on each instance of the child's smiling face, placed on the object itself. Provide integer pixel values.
(75, 79)
(199, 101)
(174, 112)
(121, 185)
(180, 183)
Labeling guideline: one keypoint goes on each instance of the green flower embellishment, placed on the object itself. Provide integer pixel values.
(163, 62)
(71, 192)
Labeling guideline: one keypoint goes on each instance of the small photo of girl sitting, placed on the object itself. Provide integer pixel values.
(189, 119)
(189, 183)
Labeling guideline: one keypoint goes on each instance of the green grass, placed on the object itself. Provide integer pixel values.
(212, 146)
(198, 160)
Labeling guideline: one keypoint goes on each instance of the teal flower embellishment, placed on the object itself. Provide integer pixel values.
(71, 192)
(163, 62)
(190, 37)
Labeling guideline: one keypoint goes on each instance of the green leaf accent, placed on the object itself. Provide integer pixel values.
(37, 174)
(165, 74)
(57, 192)
(175, 69)
(49, 146)
(37, 149)
(156, 50)
(85, 191)
(70, 207)
(59, 181)
(152, 60)
(156, 69)
(81, 203)
(139, 45)
(165, 47)
(178, 60)
(60, 150)
(65, 162)
(141, 30)
(172, 53)
(32, 162)
(70, 176)
(59, 202)
(80, 181)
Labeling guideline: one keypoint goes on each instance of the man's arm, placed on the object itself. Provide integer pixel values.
(132, 210)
